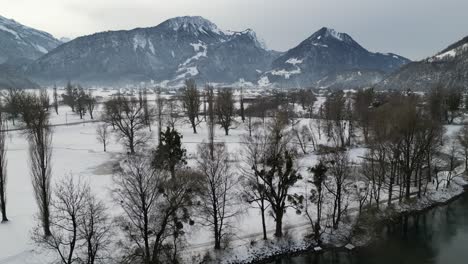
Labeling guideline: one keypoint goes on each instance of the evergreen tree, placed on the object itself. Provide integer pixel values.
(169, 152)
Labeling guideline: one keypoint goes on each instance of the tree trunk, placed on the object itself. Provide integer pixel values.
(279, 223)
(45, 203)
(194, 127)
(338, 217)
(146, 239)
(408, 185)
(131, 145)
(46, 221)
(3, 203)
(262, 210)
(466, 161)
(217, 235)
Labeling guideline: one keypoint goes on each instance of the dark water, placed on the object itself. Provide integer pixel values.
(437, 236)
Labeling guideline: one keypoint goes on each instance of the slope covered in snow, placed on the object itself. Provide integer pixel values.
(448, 67)
(176, 49)
(325, 54)
(19, 43)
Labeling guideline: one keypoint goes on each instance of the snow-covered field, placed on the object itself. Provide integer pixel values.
(76, 151)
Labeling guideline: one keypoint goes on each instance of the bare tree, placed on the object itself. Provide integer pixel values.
(217, 193)
(339, 168)
(68, 208)
(55, 97)
(362, 109)
(307, 99)
(210, 97)
(335, 115)
(225, 108)
(70, 96)
(412, 137)
(90, 103)
(102, 135)
(81, 101)
(251, 124)
(453, 102)
(94, 230)
(152, 202)
(160, 104)
(436, 103)
(39, 135)
(279, 174)
(13, 103)
(241, 102)
(374, 168)
(316, 196)
(255, 153)
(3, 169)
(146, 109)
(128, 117)
(452, 162)
(45, 100)
(462, 138)
(138, 190)
(191, 101)
(304, 136)
(361, 192)
(172, 119)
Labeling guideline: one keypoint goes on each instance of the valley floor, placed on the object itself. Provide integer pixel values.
(76, 151)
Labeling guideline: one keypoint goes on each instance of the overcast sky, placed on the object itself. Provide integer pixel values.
(411, 28)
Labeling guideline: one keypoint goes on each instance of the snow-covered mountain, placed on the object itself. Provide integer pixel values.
(329, 55)
(194, 47)
(64, 39)
(19, 43)
(179, 48)
(448, 67)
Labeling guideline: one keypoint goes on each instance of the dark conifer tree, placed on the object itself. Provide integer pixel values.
(169, 152)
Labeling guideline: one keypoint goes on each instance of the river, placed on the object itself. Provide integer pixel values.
(436, 236)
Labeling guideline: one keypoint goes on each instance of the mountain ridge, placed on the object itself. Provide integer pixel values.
(328, 52)
(178, 48)
(19, 42)
(194, 47)
(448, 67)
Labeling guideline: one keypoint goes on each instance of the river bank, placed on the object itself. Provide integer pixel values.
(437, 236)
(353, 230)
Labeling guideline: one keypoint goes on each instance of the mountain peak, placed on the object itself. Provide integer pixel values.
(249, 33)
(330, 32)
(326, 33)
(191, 22)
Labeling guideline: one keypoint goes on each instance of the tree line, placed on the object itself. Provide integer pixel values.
(160, 195)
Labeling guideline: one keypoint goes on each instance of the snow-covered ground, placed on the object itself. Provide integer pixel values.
(76, 151)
